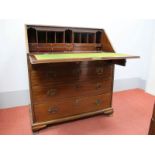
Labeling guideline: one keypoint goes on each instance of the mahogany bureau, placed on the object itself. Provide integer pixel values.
(70, 88)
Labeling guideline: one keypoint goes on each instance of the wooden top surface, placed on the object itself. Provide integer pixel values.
(72, 57)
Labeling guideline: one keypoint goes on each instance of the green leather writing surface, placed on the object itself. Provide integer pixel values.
(78, 55)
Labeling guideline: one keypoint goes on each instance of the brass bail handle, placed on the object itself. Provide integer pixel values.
(98, 85)
(52, 110)
(99, 70)
(76, 102)
(98, 102)
(51, 92)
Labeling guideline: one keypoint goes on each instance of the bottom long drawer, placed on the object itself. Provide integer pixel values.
(70, 107)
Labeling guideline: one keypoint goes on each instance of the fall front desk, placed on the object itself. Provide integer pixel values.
(70, 84)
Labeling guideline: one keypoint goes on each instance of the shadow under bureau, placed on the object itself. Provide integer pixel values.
(71, 73)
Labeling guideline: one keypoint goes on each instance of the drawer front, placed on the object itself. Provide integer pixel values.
(71, 65)
(66, 73)
(42, 47)
(84, 47)
(63, 65)
(63, 76)
(33, 47)
(94, 103)
(70, 107)
(48, 92)
(62, 47)
(48, 47)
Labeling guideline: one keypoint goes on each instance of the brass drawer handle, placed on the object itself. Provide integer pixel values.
(98, 48)
(53, 110)
(76, 103)
(51, 92)
(98, 85)
(98, 102)
(99, 71)
(68, 45)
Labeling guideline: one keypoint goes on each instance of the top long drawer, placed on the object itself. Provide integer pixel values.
(62, 75)
(69, 65)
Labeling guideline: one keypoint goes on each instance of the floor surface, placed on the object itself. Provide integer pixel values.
(132, 114)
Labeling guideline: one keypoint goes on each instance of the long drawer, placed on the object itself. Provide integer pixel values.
(71, 106)
(69, 65)
(50, 91)
(63, 75)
